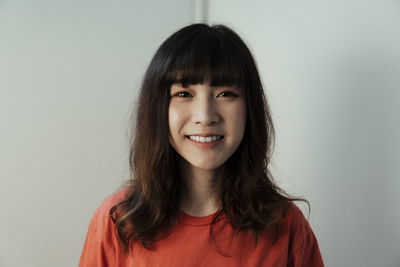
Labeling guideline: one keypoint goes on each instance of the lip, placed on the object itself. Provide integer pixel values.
(205, 144)
(205, 135)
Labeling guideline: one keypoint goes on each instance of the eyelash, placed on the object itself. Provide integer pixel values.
(229, 94)
(187, 94)
(181, 94)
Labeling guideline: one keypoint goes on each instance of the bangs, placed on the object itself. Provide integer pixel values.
(208, 57)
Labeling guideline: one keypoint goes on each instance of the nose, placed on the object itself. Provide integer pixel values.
(205, 112)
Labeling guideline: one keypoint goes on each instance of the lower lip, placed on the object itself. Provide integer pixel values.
(206, 144)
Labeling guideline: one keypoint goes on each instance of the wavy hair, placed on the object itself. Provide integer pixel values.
(250, 199)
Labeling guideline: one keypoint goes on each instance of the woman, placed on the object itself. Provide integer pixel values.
(201, 193)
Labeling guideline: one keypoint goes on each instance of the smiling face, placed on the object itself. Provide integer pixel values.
(206, 124)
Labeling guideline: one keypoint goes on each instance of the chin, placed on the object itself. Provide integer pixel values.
(206, 165)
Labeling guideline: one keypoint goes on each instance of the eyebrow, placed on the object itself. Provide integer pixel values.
(232, 86)
(178, 86)
(185, 82)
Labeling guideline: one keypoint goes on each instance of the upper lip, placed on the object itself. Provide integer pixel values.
(205, 135)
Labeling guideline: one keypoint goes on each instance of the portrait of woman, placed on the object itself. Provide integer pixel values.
(199, 133)
(201, 191)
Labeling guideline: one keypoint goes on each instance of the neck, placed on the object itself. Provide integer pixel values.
(200, 197)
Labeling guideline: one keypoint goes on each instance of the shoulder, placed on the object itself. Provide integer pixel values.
(103, 210)
(295, 224)
(101, 226)
(101, 217)
(303, 247)
(294, 218)
(101, 246)
(101, 220)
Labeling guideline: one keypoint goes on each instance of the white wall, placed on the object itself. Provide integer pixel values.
(331, 71)
(69, 71)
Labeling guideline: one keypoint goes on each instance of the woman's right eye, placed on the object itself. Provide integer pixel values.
(183, 94)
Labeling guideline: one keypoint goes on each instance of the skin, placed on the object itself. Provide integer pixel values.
(204, 110)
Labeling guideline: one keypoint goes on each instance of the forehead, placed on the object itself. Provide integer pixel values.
(207, 62)
(217, 78)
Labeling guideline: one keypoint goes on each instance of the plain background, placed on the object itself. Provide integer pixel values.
(69, 74)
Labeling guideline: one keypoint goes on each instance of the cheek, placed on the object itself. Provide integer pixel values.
(240, 114)
(171, 125)
(175, 120)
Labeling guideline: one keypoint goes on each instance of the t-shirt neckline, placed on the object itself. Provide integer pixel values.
(199, 221)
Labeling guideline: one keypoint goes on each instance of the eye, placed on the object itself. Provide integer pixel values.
(227, 94)
(182, 94)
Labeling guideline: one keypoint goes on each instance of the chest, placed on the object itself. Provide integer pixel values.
(192, 246)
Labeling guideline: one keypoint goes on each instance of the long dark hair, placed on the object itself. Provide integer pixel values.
(250, 199)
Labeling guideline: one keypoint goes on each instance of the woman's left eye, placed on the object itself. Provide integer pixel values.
(227, 94)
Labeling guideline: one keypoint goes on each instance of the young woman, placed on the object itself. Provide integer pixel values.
(201, 193)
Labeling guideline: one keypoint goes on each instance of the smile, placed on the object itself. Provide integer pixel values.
(205, 139)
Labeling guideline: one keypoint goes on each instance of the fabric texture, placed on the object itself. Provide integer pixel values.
(189, 243)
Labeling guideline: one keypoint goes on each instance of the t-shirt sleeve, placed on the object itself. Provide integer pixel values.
(305, 252)
(98, 249)
(101, 247)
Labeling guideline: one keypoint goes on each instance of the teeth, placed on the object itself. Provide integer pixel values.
(203, 139)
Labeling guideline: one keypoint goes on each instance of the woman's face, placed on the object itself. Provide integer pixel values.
(206, 124)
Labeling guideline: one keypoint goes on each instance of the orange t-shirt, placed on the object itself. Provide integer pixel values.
(189, 244)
